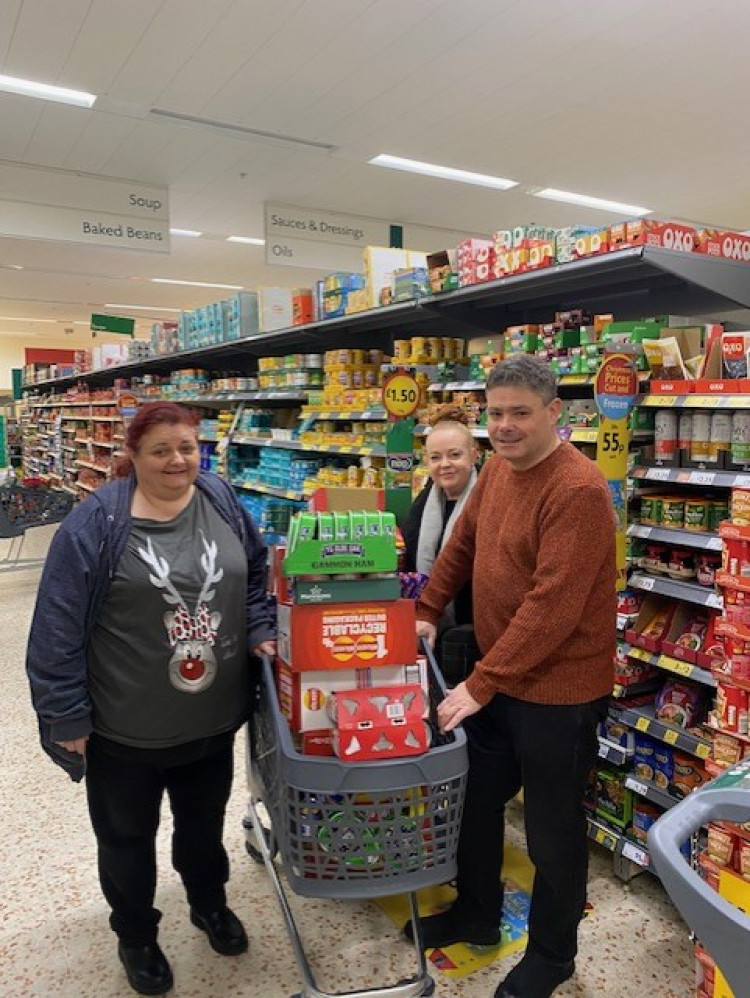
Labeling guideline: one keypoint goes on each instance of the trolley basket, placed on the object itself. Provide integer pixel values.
(356, 829)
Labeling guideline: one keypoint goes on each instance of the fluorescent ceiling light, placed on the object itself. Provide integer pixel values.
(144, 308)
(192, 233)
(25, 318)
(28, 88)
(250, 240)
(552, 194)
(443, 172)
(196, 284)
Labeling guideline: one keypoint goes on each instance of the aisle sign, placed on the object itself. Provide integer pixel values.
(615, 392)
(401, 395)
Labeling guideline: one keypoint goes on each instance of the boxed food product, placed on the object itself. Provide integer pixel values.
(476, 259)
(304, 696)
(644, 816)
(689, 774)
(276, 307)
(652, 623)
(357, 635)
(734, 354)
(725, 245)
(652, 232)
(612, 729)
(644, 759)
(681, 704)
(379, 723)
(614, 801)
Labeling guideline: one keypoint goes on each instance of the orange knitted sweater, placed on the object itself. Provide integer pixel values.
(539, 548)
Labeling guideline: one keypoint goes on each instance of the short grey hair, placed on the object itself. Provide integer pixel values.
(521, 370)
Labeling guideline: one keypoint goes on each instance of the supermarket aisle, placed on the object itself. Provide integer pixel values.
(55, 941)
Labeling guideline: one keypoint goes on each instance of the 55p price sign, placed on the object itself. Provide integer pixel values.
(616, 391)
(401, 395)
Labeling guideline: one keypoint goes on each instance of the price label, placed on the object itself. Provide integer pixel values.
(742, 481)
(670, 736)
(401, 396)
(674, 665)
(638, 788)
(635, 854)
(600, 836)
(703, 751)
(658, 474)
(603, 750)
(702, 477)
(644, 582)
(715, 601)
(710, 401)
(639, 653)
(643, 724)
(644, 532)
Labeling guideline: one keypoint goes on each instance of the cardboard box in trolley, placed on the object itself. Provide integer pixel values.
(352, 636)
(380, 723)
(304, 696)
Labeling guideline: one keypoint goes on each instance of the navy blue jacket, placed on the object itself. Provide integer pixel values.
(80, 566)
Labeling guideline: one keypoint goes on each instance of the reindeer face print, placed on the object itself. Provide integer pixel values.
(192, 667)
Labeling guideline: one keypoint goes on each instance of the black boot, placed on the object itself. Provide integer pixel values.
(147, 968)
(224, 930)
(534, 977)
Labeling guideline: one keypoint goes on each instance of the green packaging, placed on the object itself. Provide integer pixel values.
(325, 528)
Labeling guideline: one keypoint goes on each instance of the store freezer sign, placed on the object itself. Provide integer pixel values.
(60, 205)
(327, 240)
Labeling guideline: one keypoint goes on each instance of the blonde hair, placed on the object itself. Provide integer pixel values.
(451, 417)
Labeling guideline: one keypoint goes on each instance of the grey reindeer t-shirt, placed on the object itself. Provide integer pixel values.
(168, 659)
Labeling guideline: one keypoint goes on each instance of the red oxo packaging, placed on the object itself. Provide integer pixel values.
(384, 722)
(725, 245)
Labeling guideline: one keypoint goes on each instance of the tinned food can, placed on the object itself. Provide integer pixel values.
(696, 515)
(673, 511)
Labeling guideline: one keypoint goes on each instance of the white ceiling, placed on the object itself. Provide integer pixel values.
(642, 101)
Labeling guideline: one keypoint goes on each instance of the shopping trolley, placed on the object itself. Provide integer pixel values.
(354, 830)
(720, 926)
(24, 505)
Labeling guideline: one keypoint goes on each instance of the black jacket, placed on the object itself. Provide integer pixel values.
(410, 533)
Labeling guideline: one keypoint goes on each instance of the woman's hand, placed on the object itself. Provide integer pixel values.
(458, 705)
(78, 745)
(266, 648)
(427, 631)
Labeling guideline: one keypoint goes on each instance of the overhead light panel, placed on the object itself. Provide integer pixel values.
(25, 318)
(45, 91)
(191, 233)
(552, 194)
(196, 284)
(248, 240)
(443, 172)
(144, 308)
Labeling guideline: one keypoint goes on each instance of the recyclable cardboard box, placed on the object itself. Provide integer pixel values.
(380, 263)
(333, 499)
(442, 270)
(652, 232)
(652, 623)
(304, 696)
(345, 637)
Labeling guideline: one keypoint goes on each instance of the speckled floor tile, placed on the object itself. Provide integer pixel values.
(55, 941)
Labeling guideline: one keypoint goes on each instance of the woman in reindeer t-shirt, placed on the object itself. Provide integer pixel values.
(151, 601)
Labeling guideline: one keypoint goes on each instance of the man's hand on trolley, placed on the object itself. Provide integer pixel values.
(265, 648)
(457, 706)
(427, 631)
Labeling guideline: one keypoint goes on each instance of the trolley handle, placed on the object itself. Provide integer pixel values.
(699, 904)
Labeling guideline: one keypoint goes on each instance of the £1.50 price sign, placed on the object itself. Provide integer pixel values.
(401, 395)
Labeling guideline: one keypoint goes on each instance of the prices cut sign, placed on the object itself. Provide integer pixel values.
(615, 392)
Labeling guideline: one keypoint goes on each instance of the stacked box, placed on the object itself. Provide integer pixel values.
(241, 316)
(476, 258)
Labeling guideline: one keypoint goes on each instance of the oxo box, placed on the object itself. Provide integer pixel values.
(652, 232)
(725, 245)
(348, 636)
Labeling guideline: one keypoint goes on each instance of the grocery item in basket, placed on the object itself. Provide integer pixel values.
(379, 723)
(679, 704)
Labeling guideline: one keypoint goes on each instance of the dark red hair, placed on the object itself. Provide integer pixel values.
(148, 416)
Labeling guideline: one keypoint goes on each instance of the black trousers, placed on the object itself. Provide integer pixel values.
(125, 787)
(548, 750)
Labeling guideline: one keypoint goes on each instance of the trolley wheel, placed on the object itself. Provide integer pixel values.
(429, 988)
(251, 831)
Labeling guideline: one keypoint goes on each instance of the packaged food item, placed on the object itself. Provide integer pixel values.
(663, 766)
(681, 564)
(700, 442)
(673, 511)
(708, 563)
(731, 708)
(721, 436)
(665, 359)
(718, 512)
(693, 633)
(739, 506)
(656, 558)
(678, 703)
(743, 860)
(740, 448)
(644, 765)
(720, 845)
(651, 510)
(726, 750)
(684, 430)
(665, 435)
(696, 515)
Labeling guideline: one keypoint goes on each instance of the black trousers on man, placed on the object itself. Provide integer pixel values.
(125, 787)
(548, 750)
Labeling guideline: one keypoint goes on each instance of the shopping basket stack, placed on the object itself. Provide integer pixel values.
(353, 829)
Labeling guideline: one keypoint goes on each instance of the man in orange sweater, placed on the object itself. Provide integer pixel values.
(537, 539)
